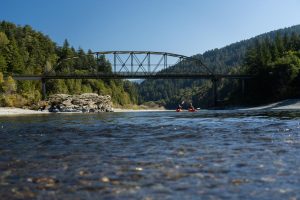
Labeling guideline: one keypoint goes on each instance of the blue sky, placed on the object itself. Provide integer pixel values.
(185, 27)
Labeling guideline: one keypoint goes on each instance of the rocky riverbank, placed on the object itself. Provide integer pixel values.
(60, 104)
(88, 102)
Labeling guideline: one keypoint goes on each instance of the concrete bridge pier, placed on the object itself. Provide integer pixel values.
(215, 91)
(243, 87)
(44, 89)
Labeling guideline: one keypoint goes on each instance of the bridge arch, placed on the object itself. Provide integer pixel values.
(137, 65)
(143, 62)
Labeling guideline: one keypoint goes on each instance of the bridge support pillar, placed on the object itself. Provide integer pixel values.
(215, 91)
(243, 87)
(44, 89)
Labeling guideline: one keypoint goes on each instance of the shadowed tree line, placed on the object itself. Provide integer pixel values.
(276, 67)
(273, 58)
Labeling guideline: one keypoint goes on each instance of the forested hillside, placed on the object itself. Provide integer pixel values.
(26, 51)
(276, 67)
(273, 58)
(230, 59)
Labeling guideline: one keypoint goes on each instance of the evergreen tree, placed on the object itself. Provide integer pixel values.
(14, 59)
(279, 44)
(3, 47)
(275, 79)
(294, 42)
(9, 86)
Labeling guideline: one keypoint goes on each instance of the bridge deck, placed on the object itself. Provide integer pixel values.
(131, 76)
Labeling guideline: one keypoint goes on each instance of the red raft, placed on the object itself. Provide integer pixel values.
(190, 110)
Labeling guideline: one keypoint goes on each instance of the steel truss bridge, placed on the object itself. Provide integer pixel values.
(136, 65)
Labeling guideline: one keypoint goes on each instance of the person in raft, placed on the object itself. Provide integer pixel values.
(179, 107)
(191, 107)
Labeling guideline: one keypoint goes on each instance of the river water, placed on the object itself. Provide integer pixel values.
(151, 155)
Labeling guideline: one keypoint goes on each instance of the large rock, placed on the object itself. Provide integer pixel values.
(88, 102)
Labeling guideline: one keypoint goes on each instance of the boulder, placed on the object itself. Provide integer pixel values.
(88, 102)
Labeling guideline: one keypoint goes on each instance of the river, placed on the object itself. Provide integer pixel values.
(151, 155)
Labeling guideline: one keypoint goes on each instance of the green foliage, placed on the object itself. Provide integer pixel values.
(272, 57)
(287, 67)
(9, 86)
(8, 95)
(15, 100)
(254, 56)
(7, 101)
(277, 78)
(3, 64)
(1, 79)
(25, 51)
(3, 40)
(3, 47)
(1, 83)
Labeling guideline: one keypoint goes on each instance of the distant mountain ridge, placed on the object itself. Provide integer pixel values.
(233, 55)
(221, 60)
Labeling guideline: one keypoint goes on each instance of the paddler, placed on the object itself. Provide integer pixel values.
(179, 107)
(191, 107)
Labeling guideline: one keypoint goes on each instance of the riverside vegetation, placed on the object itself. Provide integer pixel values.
(272, 58)
(25, 51)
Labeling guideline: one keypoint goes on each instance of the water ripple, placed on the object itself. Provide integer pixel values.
(165, 155)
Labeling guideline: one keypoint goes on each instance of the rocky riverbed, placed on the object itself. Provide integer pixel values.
(88, 102)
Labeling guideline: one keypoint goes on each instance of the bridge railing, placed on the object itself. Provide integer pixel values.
(135, 62)
(132, 64)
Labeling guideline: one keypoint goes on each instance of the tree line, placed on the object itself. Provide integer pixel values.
(26, 51)
(276, 67)
(271, 57)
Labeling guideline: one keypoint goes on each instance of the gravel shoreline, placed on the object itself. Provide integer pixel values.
(290, 104)
(19, 111)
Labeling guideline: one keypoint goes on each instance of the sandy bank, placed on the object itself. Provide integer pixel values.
(289, 104)
(139, 110)
(19, 111)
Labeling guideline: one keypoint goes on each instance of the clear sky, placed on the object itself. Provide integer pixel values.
(185, 27)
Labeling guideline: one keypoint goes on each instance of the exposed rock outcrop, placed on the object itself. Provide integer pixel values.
(88, 102)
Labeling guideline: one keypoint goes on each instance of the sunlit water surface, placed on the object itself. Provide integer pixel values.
(151, 155)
